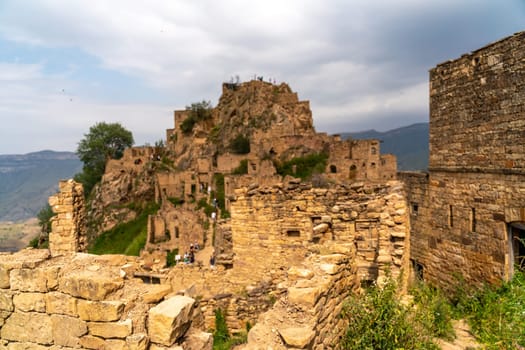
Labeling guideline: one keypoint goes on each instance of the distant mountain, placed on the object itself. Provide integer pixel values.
(27, 180)
(409, 144)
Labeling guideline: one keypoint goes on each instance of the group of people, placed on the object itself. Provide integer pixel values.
(189, 256)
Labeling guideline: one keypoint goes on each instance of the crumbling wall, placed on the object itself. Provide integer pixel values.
(90, 302)
(280, 225)
(308, 314)
(68, 226)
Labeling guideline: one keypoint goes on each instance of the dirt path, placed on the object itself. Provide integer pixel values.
(464, 338)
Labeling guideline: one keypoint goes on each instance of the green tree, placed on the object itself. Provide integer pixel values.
(44, 220)
(103, 142)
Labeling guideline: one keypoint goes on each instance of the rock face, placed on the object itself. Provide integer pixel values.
(468, 213)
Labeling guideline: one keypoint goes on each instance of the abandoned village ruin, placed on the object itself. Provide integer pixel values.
(287, 251)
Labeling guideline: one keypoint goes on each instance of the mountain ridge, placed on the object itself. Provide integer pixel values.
(27, 180)
(408, 143)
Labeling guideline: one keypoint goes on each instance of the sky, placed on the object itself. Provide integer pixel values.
(67, 64)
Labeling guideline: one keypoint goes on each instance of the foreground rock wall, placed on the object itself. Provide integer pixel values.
(90, 302)
(308, 314)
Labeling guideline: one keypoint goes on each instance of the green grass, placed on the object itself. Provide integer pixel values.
(222, 339)
(126, 238)
(378, 320)
(496, 314)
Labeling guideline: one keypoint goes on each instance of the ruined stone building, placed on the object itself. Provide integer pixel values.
(468, 212)
(289, 251)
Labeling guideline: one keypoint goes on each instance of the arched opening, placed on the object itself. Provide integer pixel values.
(333, 169)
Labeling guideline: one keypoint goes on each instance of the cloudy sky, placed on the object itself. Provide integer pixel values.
(67, 64)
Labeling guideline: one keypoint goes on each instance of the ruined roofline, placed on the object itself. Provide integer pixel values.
(474, 52)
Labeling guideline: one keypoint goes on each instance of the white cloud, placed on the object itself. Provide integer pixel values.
(356, 61)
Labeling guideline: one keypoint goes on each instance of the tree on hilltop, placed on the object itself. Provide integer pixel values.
(103, 142)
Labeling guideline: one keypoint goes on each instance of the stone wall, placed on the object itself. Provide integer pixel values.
(91, 302)
(460, 227)
(280, 225)
(462, 212)
(308, 315)
(477, 109)
(68, 233)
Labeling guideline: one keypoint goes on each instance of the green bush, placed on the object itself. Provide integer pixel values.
(198, 111)
(240, 145)
(222, 340)
(176, 201)
(305, 166)
(219, 190)
(242, 169)
(377, 320)
(496, 314)
(208, 208)
(126, 238)
(170, 257)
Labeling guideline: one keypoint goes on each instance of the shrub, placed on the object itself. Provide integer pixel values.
(377, 320)
(496, 314)
(198, 111)
(222, 340)
(242, 168)
(240, 145)
(305, 166)
(170, 257)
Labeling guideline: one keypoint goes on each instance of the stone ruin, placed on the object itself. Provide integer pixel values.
(292, 251)
(468, 211)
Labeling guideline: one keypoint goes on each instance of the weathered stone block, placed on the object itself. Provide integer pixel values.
(60, 303)
(109, 330)
(4, 277)
(303, 296)
(89, 285)
(28, 280)
(28, 327)
(138, 341)
(6, 300)
(198, 340)
(169, 320)
(30, 302)
(67, 330)
(115, 344)
(100, 311)
(91, 342)
(298, 337)
(155, 293)
(24, 346)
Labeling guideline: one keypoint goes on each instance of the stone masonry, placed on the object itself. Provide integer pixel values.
(91, 302)
(468, 213)
(68, 225)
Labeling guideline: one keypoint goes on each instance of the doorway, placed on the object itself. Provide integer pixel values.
(517, 242)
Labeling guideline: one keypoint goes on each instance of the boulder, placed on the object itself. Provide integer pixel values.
(169, 320)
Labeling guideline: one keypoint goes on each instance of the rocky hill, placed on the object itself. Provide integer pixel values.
(27, 180)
